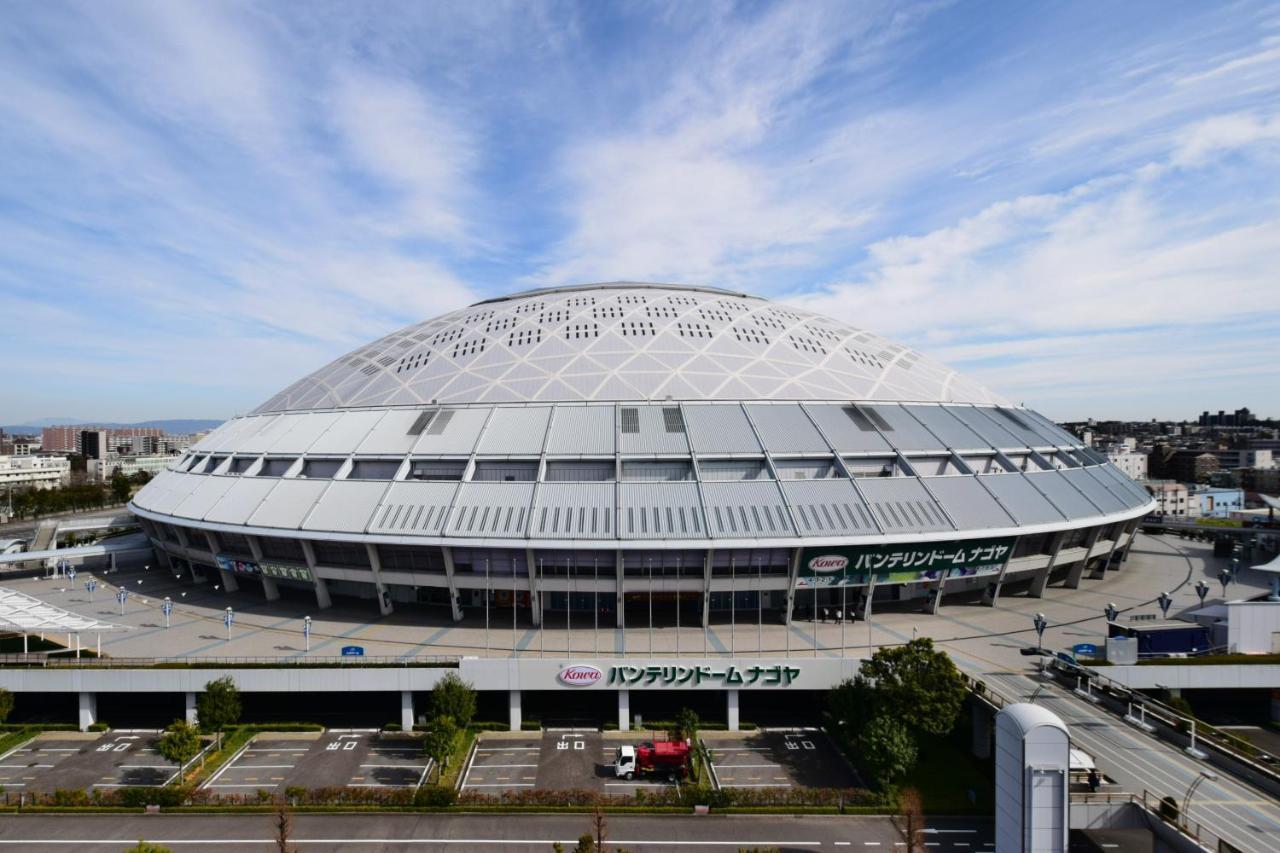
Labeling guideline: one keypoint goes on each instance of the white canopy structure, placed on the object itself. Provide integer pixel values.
(22, 614)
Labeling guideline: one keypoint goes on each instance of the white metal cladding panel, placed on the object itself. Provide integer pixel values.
(1048, 428)
(752, 509)
(1013, 421)
(577, 510)
(1095, 490)
(1063, 495)
(459, 434)
(167, 490)
(345, 507)
(992, 434)
(388, 435)
(905, 432)
(228, 436)
(845, 435)
(204, 496)
(720, 429)
(950, 431)
(1021, 499)
(414, 508)
(290, 503)
(826, 507)
(302, 431)
(240, 501)
(786, 428)
(902, 505)
(653, 436)
(1138, 496)
(515, 430)
(582, 430)
(260, 439)
(346, 433)
(660, 511)
(968, 503)
(491, 510)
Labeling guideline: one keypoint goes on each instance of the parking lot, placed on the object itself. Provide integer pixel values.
(275, 761)
(70, 760)
(553, 761)
(772, 759)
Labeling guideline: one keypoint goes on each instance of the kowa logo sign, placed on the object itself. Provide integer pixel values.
(580, 676)
(828, 563)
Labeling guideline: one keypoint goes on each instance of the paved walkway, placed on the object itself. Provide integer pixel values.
(274, 629)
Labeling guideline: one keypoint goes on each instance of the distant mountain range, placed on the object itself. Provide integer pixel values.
(176, 426)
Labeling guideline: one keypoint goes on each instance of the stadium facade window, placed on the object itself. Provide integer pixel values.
(344, 554)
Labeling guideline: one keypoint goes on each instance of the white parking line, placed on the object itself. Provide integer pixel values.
(489, 766)
(724, 784)
(498, 785)
(513, 749)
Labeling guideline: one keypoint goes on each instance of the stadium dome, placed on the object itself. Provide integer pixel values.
(631, 428)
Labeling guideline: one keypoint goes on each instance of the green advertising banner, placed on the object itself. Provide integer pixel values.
(853, 565)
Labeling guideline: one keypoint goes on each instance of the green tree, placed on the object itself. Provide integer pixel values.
(886, 750)
(147, 847)
(219, 706)
(439, 743)
(120, 486)
(454, 698)
(6, 704)
(180, 742)
(916, 683)
(687, 724)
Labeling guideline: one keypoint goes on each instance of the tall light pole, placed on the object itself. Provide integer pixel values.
(90, 585)
(227, 619)
(1040, 624)
(122, 595)
(71, 573)
(167, 608)
(1111, 611)
(306, 633)
(1202, 590)
(1191, 790)
(1224, 578)
(1164, 601)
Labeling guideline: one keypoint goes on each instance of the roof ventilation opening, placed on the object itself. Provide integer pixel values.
(673, 419)
(630, 421)
(420, 423)
(438, 424)
(866, 419)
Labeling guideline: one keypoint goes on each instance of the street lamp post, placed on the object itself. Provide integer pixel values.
(306, 633)
(227, 619)
(1224, 578)
(90, 585)
(1112, 611)
(1165, 600)
(1040, 623)
(122, 595)
(1191, 790)
(1202, 590)
(71, 573)
(167, 608)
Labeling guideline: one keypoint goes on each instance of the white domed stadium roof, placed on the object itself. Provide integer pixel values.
(627, 342)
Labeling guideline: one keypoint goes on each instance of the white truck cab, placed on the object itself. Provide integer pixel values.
(624, 762)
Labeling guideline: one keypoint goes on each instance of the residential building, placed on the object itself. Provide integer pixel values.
(1251, 458)
(1172, 498)
(1132, 462)
(1187, 465)
(103, 469)
(93, 443)
(38, 472)
(1218, 503)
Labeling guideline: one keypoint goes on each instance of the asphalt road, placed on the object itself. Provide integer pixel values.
(481, 832)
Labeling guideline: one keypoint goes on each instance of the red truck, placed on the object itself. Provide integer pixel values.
(668, 758)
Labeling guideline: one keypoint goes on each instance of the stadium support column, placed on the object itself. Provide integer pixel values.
(707, 562)
(791, 584)
(514, 717)
(189, 702)
(375, 563)
(229, 582)
(935, 595)
(731, 709)
(1041, 580)
(867, 596)
(455, 609)
(269, 588)
(535, 589)
(1100, 570)
(406, 710)
(185, 542)
(624, 710)
(621, 614)
(1130, 531)
(322, 589)
(1076, 572)
(88, 710)
(991, 595)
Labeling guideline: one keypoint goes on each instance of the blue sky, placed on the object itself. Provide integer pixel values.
(1076, 203)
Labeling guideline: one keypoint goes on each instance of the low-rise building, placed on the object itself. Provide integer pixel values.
(1131, 462)
(1263, 459)
(102, 470)
(1218, 503)
(1172, 498)
(35, 472)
